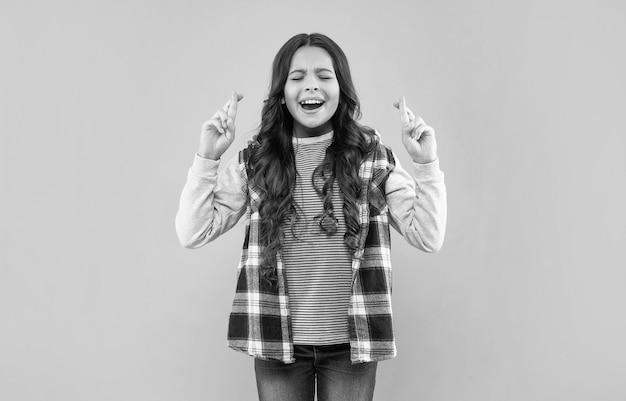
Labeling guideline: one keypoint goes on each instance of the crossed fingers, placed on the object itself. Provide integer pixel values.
(411, 125)
(224, 118)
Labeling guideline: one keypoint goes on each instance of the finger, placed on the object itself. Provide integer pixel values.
(414, 130)
(409, 128)
(428, 131)
(234, 99)
(404, 117)
(223, 118)
(226, 106)
(417, 133)
(215, 123)
(418, 120)
(410, 114)
(220, 118)
(230, 131)
(422, 129)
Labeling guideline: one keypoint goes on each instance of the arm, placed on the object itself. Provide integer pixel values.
(418, 205)
(210, 204)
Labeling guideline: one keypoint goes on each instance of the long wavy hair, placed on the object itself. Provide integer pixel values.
(271, 163)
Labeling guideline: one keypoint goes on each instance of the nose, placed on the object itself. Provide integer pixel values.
(312, 85)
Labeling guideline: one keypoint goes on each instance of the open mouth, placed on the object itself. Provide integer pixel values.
(311, 104)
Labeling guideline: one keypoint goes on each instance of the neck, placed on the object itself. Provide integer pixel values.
(300, 131)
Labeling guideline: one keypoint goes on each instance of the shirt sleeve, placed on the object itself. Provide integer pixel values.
(210, 203)
(418, 205)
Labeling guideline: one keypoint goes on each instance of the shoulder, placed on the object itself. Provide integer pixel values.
(379, 152)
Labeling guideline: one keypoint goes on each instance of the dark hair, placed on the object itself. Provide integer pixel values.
(271, 165)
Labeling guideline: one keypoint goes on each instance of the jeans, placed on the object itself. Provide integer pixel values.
(337, 378)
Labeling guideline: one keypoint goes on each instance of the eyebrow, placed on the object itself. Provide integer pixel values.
(316, 70)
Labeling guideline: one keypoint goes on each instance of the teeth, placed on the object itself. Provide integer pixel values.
(312, 101)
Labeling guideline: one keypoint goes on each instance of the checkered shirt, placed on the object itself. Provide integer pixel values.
(260, 319)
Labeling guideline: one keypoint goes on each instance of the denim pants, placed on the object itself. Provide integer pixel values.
(337, 378)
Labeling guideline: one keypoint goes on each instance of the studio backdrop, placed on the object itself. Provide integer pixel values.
(101, 104)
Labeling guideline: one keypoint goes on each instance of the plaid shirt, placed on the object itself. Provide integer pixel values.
(260, 320)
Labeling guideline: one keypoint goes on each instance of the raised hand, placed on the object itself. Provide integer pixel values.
(417, 137)
(218, 133)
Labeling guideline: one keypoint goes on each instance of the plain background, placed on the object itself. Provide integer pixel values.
(101, 105)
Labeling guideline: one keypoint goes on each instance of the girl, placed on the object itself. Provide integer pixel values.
(318, 192)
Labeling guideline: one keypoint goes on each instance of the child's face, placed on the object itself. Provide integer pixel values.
(311, 91)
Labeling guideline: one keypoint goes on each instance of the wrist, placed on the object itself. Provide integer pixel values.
(424, 160)
(208, 154)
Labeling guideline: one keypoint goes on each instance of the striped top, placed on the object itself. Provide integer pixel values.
(317, 266)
